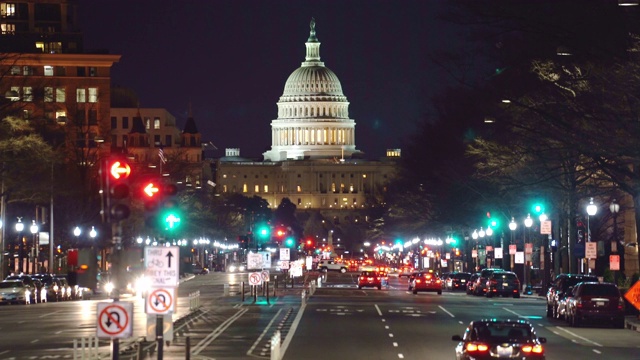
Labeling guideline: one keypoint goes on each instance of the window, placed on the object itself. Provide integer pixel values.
(266, 188)
(224, 188)
(8, 9)
(167, 140)
(48, 70)
(299, 188)
(156, 139)
(256, 188)
(27, 70)
(48, 94)
(125, 122)
(156, 123)
(27, 93)
(93, 95)
(26, 114)
(147, 123)
(8, 28)
(93, 71)
(61, 116)
(81, 95)
(81, 71)
(114, 122)
(244, 188)
(60, 95)
(15, 70)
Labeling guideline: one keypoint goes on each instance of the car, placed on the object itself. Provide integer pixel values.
(51, 287)
(503, 283)
(236, 268)
(16, 292)
(333, 265)
(411, 278)
(405, 270)
(444, 277)
(596, 301)
(471, 283)
(458, 281)
(499, 339)
(480, 287)
(426, 281)
(29, 280)
(66, 290)
(370, 279)
(562, 304)
(559, 286)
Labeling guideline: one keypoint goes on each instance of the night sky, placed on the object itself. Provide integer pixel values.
(231, 59)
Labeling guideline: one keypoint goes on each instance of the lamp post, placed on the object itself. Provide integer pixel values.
(528, 222)
(490, 261)
(19, 229)
(34, 231)
(614, 207)
(474, 236)
(512, 226)
(591, 210)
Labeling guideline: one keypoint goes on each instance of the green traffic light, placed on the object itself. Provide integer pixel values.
(538, 208)
(289, 242)
(171, 221)
(263, 232)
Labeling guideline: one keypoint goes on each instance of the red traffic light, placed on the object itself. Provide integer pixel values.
(119, 170)
(151, 189)
(280, 233)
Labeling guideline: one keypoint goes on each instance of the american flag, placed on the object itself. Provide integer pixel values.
(161, 155)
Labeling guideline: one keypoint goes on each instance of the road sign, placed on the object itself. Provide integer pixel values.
(284, 265)
(160, 301)
(254, 261)
(498, 253)
(614, 262)
(266, 259)
(162, 265)
(633, 295)
(115, 320)
(591, 250)
(545, 227)
(265, 275)
(528, 248)
(285, 254)
(474, 253)
(255, 278)
(512, 249)
(519, 258)
(167, 327)
(489, 248)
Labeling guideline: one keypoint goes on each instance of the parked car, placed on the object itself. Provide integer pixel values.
(458, 281)
(505, 339)
(596, 301)
(562, 303)
(559, 286)
(471, 284)
(52, 288)
(426, 281)
(503, 283)
(27, 279)
(66, 291)
(15, 292)
(370, 279)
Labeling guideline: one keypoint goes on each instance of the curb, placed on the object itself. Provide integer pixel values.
(631, 324)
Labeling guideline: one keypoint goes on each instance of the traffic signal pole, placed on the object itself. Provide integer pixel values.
(116, 232)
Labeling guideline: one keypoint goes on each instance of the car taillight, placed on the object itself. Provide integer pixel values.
(361, 277)
(417, 281)
(579, 303)
(620, 304)
(472, 347)
(536, 349)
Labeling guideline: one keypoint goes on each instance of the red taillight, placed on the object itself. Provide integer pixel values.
(473, 347)
(620, 304)
(417, 281)
(438, 281)
(536, 349)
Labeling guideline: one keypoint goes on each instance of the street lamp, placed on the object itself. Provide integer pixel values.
(512, 226)
(34, 230)
(614, 207)
(19, 229)
(591, 210)
(528, 222)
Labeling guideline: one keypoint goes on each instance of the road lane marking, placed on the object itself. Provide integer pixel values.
(401, 356)
(390, 334)
(264, 332)
(378, 309)
(596, 351)
(386, 327)
(217, 331)
(4, 352)
(395, 344)
(445, 310)
(35, 341)
(292, 330)
(460, 322)
(51, 313)
(578, 336)
(513, 312)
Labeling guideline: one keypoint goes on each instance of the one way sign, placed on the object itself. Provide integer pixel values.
(162, 265)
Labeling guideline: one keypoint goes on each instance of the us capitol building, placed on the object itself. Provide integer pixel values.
(313, 159)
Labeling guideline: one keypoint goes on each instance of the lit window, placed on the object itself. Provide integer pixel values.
(224, 188)
(266, 188)
(333, 187)
(27, 93)
(93, 95)
(60, 95)
(8, 28)
(350, 188)
(61, 114)
(256, 188)
(245, 188)
(7, 9)
(15, 70)
(147, 123)
(48, 70)
(81, 95)
(27, 70)
(156, 123)
(299, 188)
(40, 46)
(48, 94)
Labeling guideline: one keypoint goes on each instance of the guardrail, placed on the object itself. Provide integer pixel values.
(194, 300)
(86, 348)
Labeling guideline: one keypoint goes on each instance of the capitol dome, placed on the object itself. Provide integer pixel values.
(313, 113)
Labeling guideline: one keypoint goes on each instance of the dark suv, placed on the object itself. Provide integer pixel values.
(596, 301)
(559, 287)
(503, 283)
(480, 287)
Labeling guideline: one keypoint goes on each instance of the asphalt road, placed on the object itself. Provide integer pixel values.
(337, 321)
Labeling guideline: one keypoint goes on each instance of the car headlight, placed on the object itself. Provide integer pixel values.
(241, 268)
(108, 287)
(232, 268)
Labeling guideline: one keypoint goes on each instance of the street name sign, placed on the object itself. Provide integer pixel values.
(162, 265)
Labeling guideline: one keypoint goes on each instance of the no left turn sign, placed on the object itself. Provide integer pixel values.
(115, 320)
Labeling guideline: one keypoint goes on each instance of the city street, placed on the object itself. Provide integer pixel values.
(338, 319)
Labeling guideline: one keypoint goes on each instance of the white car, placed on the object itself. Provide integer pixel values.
(15, 292)
(332, 265)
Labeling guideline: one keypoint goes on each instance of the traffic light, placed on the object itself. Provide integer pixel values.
(290, 242)
(114, 176)
(263, 232)
(537, 208)
(160, 204)
(169, 213)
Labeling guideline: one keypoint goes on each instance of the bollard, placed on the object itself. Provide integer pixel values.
(267, 291)
(187, 348)
(242, 291)
(226, 289)
(255, 293)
